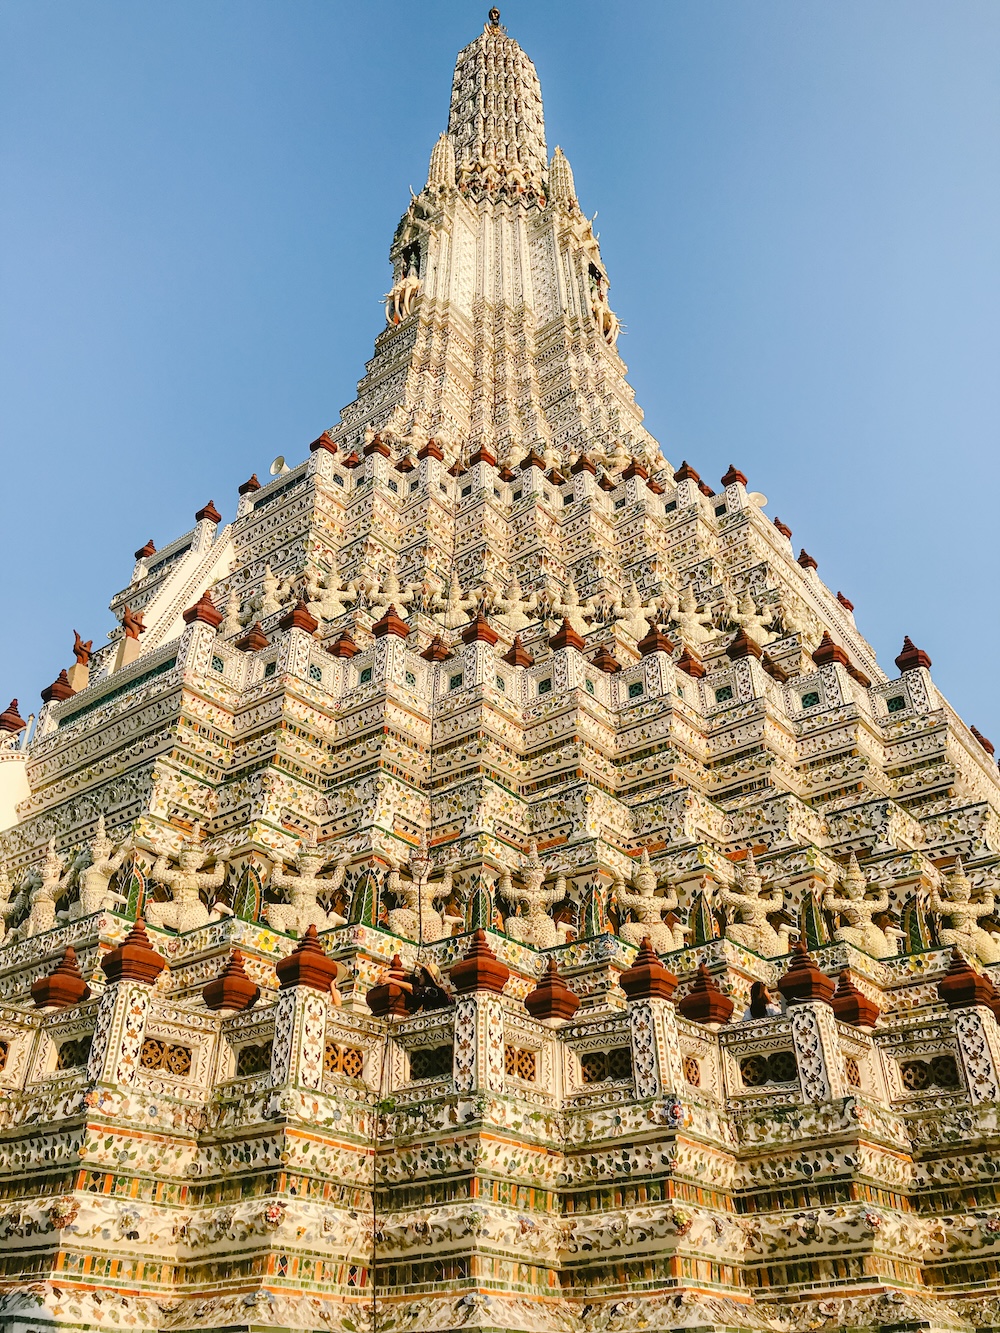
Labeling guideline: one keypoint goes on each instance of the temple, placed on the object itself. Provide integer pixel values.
(488, 882)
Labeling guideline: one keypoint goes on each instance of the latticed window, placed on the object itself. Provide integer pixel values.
(4, 1052)
(940, 1071)
(253, 1059)
(73, 1053)
(165, 1056)
(520, 1063)
(431, 1062)
(347, 1060)
(852, 1071)
(605, 1066)
(692, 1070)
(756, 1070)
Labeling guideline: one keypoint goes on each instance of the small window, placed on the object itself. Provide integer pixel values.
(589, 685)
(519, 1063)
(338, 480)
(939, 1072)
(810, 700)
(635, 689)
(620, 504)
(364, 675)
(393, 486)
(496, 492)
(723, 693)
(852, 1071)
(896, 704)
(692, 1070)
(455, 682)
(347, 1060)
(680, 693)
(431, 1062)
(444, 487)
(73, 1053)
(165, 1056)
(719, 510)
(315, 673)
(270, 668)
(466, 490)
(545, 686)
(670, 506)
(413, 486)
(605, 1066)
(516, 496)
(218, 665)
(410, 678)
(756, 1070)
(501, 684)
(4, 1053)
(253, 1059)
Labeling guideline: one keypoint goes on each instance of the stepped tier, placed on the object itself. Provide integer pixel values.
(484, 688)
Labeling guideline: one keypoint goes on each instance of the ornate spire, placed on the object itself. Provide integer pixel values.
(441, 172)
(562, 189)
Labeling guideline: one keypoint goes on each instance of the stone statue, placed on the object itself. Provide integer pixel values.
(695, 626)
(965, 933)
(185, 910)
(577, 614)
(303, 908)
(858, 910)
(516, 610)
(233, 623)
(330, 596)
(454, 609)
(132, 623)
(399, 301)
(46, 893)
(419, 919)
(648, 910)
(7, 898)
(604, 317)
(534, 926)
(748, 617)
(95, 879)
(390, 592)
(753, 930)
(633, 614)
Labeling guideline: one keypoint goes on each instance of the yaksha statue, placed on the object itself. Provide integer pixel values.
(46, 893)
(534, 925)
(648, 910)
(419, 918)
(303, 908)
(106, 859)
(186, 909)
(399, 302)
(965, 932)
(857, 910)
(753, 930)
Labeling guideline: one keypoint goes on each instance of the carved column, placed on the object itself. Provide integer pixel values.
(479, 979)
(131, 970)
(304, 977)
(979, 1046)
(656, 1053)
(817, 1051)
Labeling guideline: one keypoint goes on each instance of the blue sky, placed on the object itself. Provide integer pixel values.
(798, 208)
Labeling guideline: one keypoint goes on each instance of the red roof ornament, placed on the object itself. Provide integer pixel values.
(517, 654)
(480, 630)
(208, 514)
(827, 652)
(144, 552)
(733, 476)
(705, 1002)
(377, 446)
(583, 464)
(706, 490)
(647, 978)
(352, 460)
(690, 662)
(847, 605)
(483, 455)
(135, 959)
(250, 485)
(204, 611)
(962, 985)
(851, 1005)
(59, 690)
(857, 674)
(324, 441)
(479, 970)
(431, 450)
(804, 981)
(344, 646)
(437, 650)
(233, 989)
(783, 528)
(635, 469)
(552, 1001)
(61, 988)
(567, 637)
(984, 741)
(806, 560)
(531, 459)
(605, 660)
(741, 645)
(654, 641)
(390, 624)
(254, 640)
(774, 669)
(393, 994)
(912, 657)
(299, 617)
(132, 623)
(11, 720)
(686, 473)
(307, 965)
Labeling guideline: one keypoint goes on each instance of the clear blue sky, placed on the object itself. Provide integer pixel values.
(799, 211)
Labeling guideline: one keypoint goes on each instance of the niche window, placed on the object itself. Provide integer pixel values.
(723, 693)
(545, 686)
(456, 682)
(635, 689)
(364, 675)
(810, 700)
(896, 704)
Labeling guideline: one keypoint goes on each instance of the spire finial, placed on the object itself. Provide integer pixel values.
(494, 17)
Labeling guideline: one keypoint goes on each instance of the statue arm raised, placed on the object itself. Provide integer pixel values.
(161, 871)
(215, 877)
(279, 879)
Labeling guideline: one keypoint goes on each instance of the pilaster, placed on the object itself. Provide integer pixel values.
(817, 1051)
